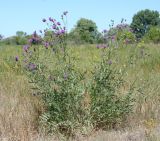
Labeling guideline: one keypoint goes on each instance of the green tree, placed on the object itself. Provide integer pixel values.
(20, 38)
(21, 34)
(143, 20)
(85, 30)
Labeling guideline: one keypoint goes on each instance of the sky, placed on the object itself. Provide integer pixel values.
(27, 15)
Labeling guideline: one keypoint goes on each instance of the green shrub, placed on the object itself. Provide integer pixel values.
(64, 89)
(85, 31)
(53, 76)
(120, 34)
(108, 106)
(125, 36)
(153, 35)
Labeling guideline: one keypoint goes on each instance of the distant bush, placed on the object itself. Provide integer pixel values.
(15, 40)
(85, 31)
(125, 36)
(21, 38)
(120, 34)
(153, 35)
(9, 41)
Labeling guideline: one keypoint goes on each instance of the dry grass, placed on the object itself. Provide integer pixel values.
(18, 111)
(19, 114)
(137, 134)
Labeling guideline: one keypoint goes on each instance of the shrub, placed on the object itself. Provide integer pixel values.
(120, 34)
(62, 92)
(20, 38)
(85, 31)
(9, 41)
(58, 82)
(153, 35)
(108, 106)
(52, 73)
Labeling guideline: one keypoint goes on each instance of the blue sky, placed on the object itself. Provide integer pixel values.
(26, 15)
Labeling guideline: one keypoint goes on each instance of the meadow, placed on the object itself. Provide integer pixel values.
(21, 107)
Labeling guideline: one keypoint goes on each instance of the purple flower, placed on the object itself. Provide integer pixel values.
(30, 40)
(58, 33)
(54, 27)
(101, 46)
(25, 48)
(44, 20)
(98, 46)
(32, 66)
(109, 62)
(50, 19)
(65, 13)
(46, 45)
(104, 46)
(58, 23)
(35, 40)
(105, 31)
(16, 58)
(113, 38)
(62, 31)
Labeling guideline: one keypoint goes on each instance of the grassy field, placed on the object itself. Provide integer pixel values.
(19, 110)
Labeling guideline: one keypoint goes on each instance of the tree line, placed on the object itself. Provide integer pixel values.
(145, 26)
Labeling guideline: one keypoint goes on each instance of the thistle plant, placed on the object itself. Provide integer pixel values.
(57, 82)
(109, 107)
(53, 76)
(119, 35)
